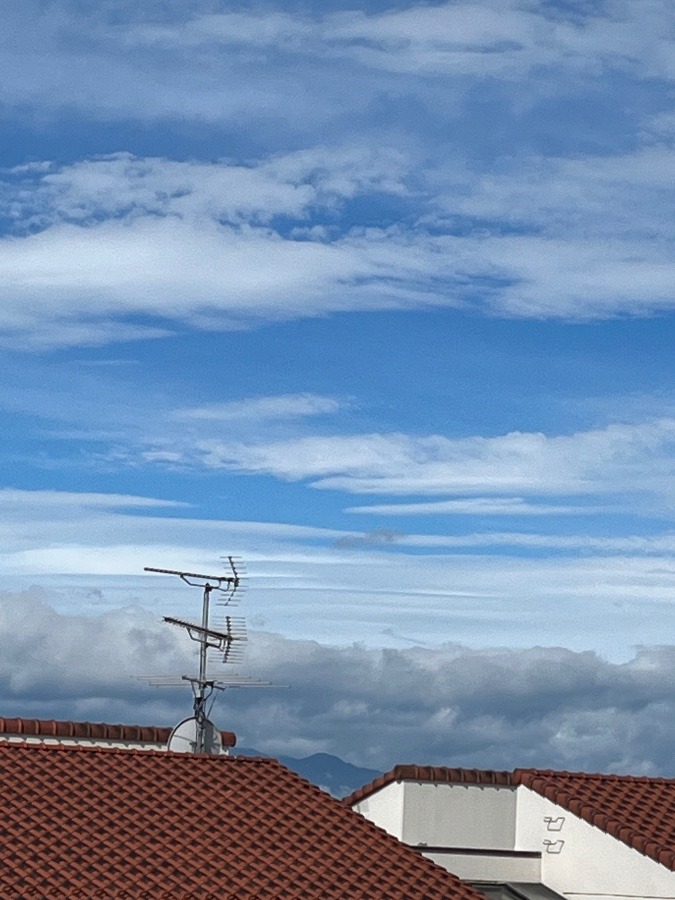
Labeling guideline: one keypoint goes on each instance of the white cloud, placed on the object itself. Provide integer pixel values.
(13, 501)
(659, 544)
(119, 237)
(101, 242)
(284, 406)
(496, 39)
(617, 458)
(474, 506)
(122, 185)
(87, 656)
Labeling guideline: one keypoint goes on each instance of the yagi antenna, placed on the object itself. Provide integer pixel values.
(226, 638)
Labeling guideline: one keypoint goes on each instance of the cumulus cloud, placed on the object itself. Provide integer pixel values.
(70, 656)
(494, 708)
(443, 705)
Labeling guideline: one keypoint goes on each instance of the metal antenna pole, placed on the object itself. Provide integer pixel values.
(200, 692)
(225, 638)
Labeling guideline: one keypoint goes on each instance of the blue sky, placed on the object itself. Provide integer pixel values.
(380, 297)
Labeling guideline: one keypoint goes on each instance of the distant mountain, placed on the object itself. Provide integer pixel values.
(329, 772)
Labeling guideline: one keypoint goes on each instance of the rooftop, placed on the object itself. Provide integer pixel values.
(93, 731)
(83, 822)
(639, 811)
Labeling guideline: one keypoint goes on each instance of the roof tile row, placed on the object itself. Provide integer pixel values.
(94, 731)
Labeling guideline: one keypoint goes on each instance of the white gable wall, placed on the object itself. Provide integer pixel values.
(445, 817)
(385, 808)
(580, 860)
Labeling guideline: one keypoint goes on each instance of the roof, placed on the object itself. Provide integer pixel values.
(94, 731)
(639, 811)
(94, 822)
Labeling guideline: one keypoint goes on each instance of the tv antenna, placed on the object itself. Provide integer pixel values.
(197, 734)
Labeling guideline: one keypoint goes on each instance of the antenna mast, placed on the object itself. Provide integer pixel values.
(226, 640)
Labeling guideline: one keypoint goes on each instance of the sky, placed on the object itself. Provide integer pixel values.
(381, 298)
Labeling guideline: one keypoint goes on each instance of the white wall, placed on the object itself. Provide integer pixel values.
(459, 815)
(489, 867)
(449, 817)
(53, 741)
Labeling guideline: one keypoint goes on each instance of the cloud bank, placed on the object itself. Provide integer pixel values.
(442, 705)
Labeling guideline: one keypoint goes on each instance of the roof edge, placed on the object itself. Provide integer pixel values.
(435, 774)
(102, 731)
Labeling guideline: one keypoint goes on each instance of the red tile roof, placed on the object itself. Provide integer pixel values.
(94, 731)
(82, 822)
(639, 811)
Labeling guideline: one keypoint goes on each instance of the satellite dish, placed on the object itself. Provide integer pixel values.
(183, 738)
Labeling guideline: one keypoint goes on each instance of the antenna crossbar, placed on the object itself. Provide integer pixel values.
(209, 636)
(221, 684)
(218, 582)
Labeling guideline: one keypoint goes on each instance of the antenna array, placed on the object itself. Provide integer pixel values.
(226, 638)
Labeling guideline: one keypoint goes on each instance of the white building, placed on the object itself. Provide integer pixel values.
(534, 834)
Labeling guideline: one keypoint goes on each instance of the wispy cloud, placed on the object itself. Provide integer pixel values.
(580, 232)
(506, 587)
(226, 246)
(286, 406)
(12, 500)
(474, 506)
(617, 458)
(124, 186)
(485, 40)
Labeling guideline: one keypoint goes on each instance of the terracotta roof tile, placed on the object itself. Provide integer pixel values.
(94, 731)
(81, 822)
(639, 811)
